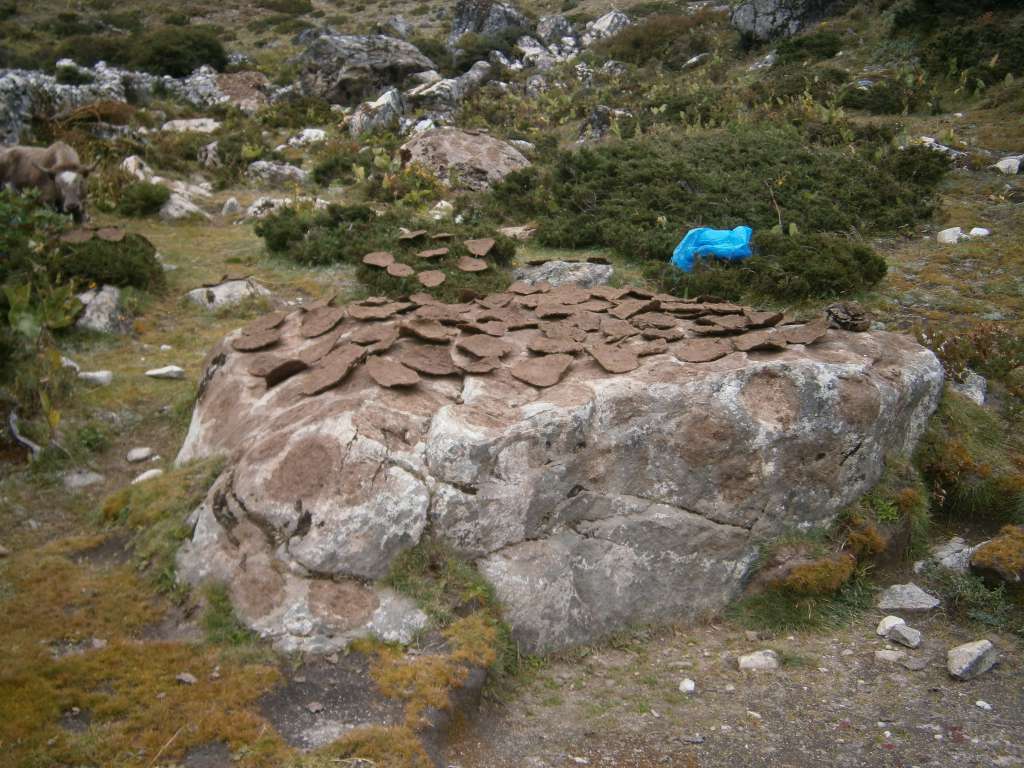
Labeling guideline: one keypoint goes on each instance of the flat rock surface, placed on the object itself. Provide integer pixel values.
(631, 484)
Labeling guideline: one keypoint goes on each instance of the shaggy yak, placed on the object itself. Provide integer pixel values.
(55, 171)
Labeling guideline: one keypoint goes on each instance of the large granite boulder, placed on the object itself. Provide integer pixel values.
(486, 18)
(604, 456)
(466, 159)
(767, 19)
(348, 69)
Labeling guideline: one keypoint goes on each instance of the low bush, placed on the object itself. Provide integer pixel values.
(168, 50)
(344, 234)
(985, 49)
(473, 47)
(142, 198)
(73, 76)
(974, 463)
(816, 46)
(668, 39)
(290, 7)
(886, 96)
(131, 262)
(786, 82)
(783, 268)
(639, 197)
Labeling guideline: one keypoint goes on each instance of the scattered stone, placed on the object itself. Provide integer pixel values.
(480, 247)
(256, 341)
(701, 350)
(558, 273)
(608, 25)
(136, 455)
(969, 660)
(979, 232)
(185, 678)
(950, 236)
(687, 686)
(149, 474)
(1009, 166)
(274, 174)
(390, 373)
(167, 372)
(807, 334)
(982, 704)
(179, 208)
(904, 635)
(231, 207)
(104, 312)
(914, 663)
(483, 346)
(543, 371)
(321, 320)
(99, 378)
(227, 293)
(481, 366)
(890, 655)
(888, 623)
(848, 316)
(759, 661)
(474, 161)
(954, 555)
(192, 125)
(432, 360)
(308, 136)
(971, 385)
(77, 479)
(315, 707)
(411, 234)
(383, 113)
(428, 330)
(333, 369)
(442, 210)
(907, 597)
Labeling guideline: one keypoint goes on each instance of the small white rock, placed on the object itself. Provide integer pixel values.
(167, 372)
(186, 678)
(99, 378)
(982, 704)
(166, 347)
(979, 232)
(950, 236)
(136, 455)
(891, 656)
(907, 597)
(759, 661)
(1009, 166)
(149, 474)
(687, 686)
(67, 362)
(888, 623)
(904, 635)
(969, 660)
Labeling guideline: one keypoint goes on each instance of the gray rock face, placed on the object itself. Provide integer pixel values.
(179, 208)
(581, 273)
(348, 69)
(973, 386)
(103, 311)
(272, 174)
(27, 92)
(907, 597)
(378, 115)
(767, 19)
(398, 26)
(608, 25)
(471, 160)
(596, 502)
(227, 293)
(444, 96)
(484, 17)
(969, 660)
(552, 29)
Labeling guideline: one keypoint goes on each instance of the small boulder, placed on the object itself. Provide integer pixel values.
(904, 635)
(969, 660)
(954, 555)
(608, 25)
(194, 125)
(581, 273)
(384, 112)
(888, 623)
(273, 174)
(231, 207)
(137, 455)
(103, 311)
(186, 678)
(99, 378)
(1009, 166)
(950, 236)
(971, 385)
(890, 655)
(179, 208)
(474, 161)
(167, 372)
(907, 597)
(77, 479)
(759, 661)
(1002, 558)
(308, 136)
(149, 474)
(687, 686)
(227, 293)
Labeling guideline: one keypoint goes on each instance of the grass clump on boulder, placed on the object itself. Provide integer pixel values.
(143, 198)
(668, 39)
(131, 262)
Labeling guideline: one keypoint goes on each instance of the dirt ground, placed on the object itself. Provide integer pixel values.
(830, 704)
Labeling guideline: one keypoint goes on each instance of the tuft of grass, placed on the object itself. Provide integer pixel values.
(967, 596)
(220, 623)
(784, 611)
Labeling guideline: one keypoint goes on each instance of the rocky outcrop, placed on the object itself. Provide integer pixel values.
(103, 312)
(608, 25)
(347, 69)
(604, 455)
(442, 97)
(767, 19)
(381, 114)
(484, 17)
(273, 174)
(227, 293)
(462, 158)
(24, 93)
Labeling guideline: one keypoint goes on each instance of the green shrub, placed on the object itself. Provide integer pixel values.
(783, 83)
(176, 19)
(131, 262)
(178, 51)
(639, 197)
(8, 9)
(813, 47)
(986, 49)
(668, 39)
(290, 7)
(142, 198)
(73, 76)
(89, 49)
(782, 269)
(886, 96)
(299, 112)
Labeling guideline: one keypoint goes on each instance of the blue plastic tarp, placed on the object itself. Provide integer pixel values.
(727, 244)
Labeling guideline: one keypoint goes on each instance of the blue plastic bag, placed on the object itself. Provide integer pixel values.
(727, 244)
